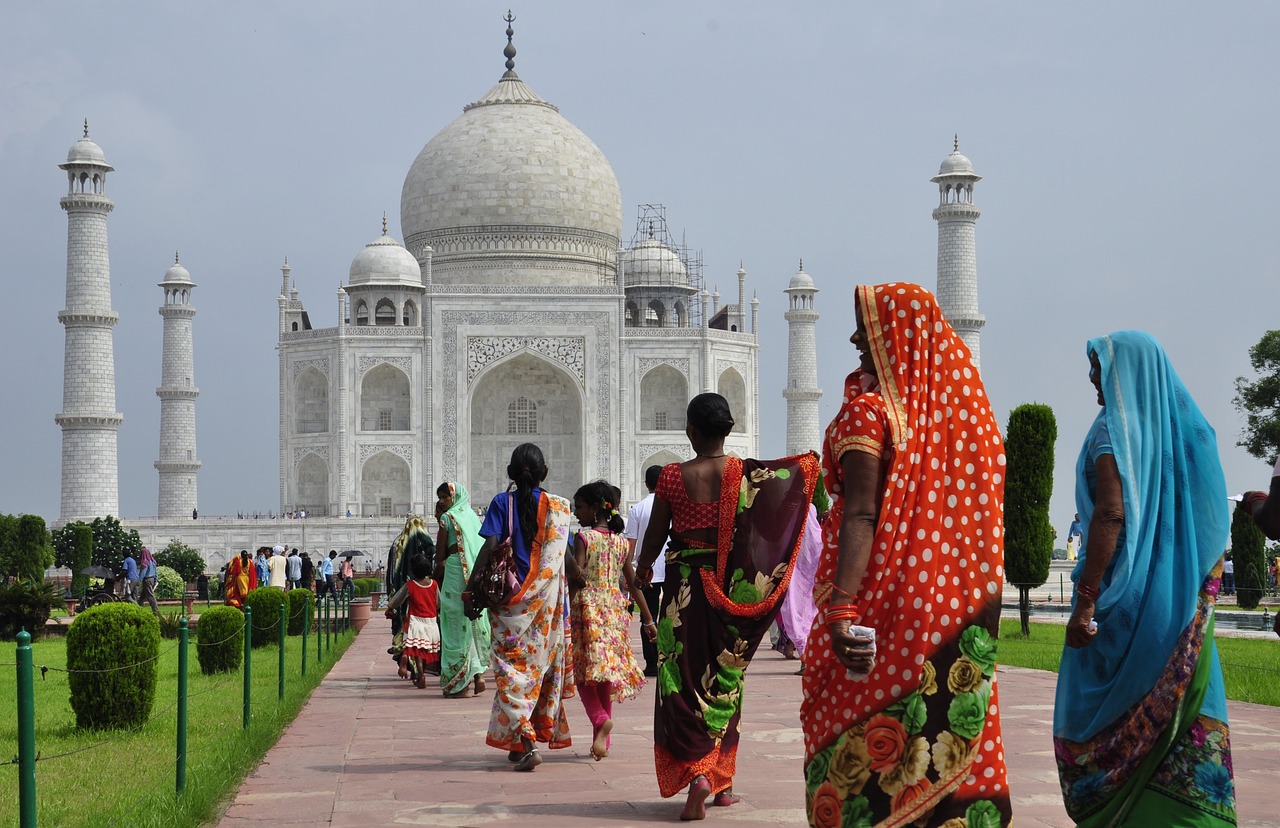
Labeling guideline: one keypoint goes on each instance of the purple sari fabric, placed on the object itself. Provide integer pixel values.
(798, 607)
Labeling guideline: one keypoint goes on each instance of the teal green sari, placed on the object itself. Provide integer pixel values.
(464, 643)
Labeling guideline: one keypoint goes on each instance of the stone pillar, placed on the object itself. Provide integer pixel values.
(89, 420)
(177, 392)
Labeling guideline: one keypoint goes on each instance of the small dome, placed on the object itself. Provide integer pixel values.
(652, 263)
(177, 273)
(85, 151)
(384, 260)
(801, 281)
(955, 164)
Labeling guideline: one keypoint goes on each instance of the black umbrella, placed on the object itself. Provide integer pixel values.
(98, 572)
(352, 553)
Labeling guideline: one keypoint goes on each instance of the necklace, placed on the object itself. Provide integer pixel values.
(712, 456)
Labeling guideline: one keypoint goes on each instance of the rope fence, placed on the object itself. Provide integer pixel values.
(332, 616)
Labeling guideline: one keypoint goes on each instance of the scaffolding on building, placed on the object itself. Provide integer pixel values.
(682, 270)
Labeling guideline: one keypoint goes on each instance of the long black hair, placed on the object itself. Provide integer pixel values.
(710, 414)
(604, 498)
(527, 470)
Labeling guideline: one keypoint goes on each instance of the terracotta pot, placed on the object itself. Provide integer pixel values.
(361, 609)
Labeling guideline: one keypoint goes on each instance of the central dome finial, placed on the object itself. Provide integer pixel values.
(510, 51)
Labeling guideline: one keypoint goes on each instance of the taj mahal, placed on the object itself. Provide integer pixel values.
(518, 305)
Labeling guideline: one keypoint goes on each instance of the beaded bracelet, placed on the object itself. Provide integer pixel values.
(1087, 591)
(840, 612)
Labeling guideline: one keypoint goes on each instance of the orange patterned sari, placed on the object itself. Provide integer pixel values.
(919, 740)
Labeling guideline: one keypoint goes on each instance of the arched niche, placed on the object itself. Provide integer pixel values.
(311, 402)
(384, 485)
(410, 314)
(553, 406)
(664, 396)
(384, 400)
(311, 486)
(733, 389)
(362, 312)
(384, 315)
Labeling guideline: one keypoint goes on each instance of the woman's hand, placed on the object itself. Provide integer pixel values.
(650, 631)
(1080, 629)
(854, 646)
(644, 574)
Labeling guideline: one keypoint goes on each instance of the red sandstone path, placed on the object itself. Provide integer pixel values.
(370, 750)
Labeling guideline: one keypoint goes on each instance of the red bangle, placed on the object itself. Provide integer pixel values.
(840, 612)
(1087, 591)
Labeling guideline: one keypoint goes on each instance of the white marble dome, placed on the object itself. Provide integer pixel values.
(955, 164)
(800, 281)
(511, 191)
(85, 151)
(384, 261)
(652, 263)
(176, 273)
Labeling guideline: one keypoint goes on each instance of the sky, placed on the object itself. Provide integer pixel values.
(1122, 146)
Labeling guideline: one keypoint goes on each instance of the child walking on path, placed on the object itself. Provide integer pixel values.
(421, 629)
(604, 665)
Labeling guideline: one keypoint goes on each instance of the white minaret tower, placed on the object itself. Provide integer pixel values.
(89, 420)
(177, 392)
(957, 218)
(802, 392)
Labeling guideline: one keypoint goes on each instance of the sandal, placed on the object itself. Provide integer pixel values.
(479, 685)
(529, 761)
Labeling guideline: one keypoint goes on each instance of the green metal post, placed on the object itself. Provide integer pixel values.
(248, 661)
(306, 624)
(283, 621)
(183, 639)
(26, 735)
(324, 618)
(1062, 590)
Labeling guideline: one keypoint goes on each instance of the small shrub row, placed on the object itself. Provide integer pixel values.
(266, 603)
(300, 610)
(363, 586)
(112, 652)
(220, 640)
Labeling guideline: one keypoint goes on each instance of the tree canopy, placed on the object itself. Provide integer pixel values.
(1028, 533)
(1259, 399)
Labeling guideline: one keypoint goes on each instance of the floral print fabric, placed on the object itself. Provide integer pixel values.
(601, 624)
(918, 741)
(532, 665)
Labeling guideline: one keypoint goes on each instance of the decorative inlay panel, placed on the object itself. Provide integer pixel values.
(647, 364)
(368, 363)
(300, 452)
(569, 351)
(400, 449)
(321, 365)
(681, 450)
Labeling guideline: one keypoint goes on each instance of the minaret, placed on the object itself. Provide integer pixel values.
(177, 392)
(802, 392)
(957, 256)
(89, 420)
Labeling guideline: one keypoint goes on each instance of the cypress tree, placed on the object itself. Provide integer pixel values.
(1028, 535)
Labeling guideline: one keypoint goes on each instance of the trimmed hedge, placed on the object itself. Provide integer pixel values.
(266, 603)
(220, 640)
(299, 616)
(112, 662)
(169, 584)
(364, 586)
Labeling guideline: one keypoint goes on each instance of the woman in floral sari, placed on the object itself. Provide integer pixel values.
(736, 527)
(242, 578)
(531, 663)
(464, 643)
(1140, 719)
(900, 709)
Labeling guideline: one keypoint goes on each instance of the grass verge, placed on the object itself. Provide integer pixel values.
(1248, 664)
(128, 777)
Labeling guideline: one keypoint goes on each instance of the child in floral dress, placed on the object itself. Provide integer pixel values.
(604, 665)
(421, 627)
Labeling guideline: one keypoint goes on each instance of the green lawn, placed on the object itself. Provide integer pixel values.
(1248, 664)
(129, 779)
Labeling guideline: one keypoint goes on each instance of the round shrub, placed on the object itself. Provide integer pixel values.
(299, 616)
(266, 603)
(364, 586)
(220, 640)
(112, 658)
(169, 584)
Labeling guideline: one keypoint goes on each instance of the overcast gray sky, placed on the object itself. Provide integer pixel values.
(1123, 147)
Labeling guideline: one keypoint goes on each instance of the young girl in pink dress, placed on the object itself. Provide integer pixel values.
(421, 627)
(604, 665)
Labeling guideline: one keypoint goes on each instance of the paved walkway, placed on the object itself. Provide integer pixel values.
(369, 750)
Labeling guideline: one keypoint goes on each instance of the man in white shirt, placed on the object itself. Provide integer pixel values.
(277, 566)
(294, 569)
(637, 523)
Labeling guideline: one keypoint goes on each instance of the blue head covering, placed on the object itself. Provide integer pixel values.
(1176, 525)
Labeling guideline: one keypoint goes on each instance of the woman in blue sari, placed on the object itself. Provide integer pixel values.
(1140, 720)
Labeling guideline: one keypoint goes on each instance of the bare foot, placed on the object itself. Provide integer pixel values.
(600, 744)
(479, 685)
(695, 807)
(726, 798)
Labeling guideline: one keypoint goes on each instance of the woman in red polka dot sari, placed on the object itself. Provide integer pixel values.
(736, 527)
(900, 710)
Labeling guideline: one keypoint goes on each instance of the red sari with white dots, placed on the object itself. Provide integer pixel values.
(918, 742)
